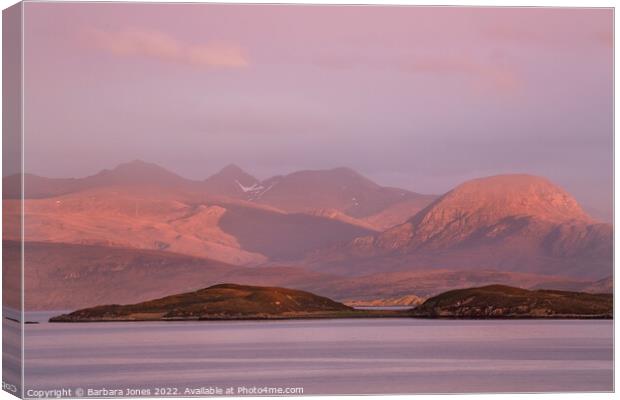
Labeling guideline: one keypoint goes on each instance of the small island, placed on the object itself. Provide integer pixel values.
(226, 302)
(244, 302)
(500, 301)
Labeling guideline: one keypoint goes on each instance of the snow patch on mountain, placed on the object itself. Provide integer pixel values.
(250, 189)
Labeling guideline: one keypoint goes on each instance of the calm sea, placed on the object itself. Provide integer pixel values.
(361, 356)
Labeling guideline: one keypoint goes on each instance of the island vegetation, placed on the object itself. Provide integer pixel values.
(499, 301)
(243, 302)
(225, 302)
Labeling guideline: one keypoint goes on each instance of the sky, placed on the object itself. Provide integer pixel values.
(422, 98)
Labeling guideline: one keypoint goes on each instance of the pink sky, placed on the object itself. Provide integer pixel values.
(422, 98)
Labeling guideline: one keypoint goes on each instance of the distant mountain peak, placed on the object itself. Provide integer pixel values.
(339, 176)
(233, 172)
(233, 169)
(136, 165)
(487, 209)
(500, 196)
(232, 180)
(344, 170)
(135, 172)
(139, 170)
(517, 223)
(136, 162)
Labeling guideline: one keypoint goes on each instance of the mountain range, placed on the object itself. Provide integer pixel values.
(141, 231)
(517, 223)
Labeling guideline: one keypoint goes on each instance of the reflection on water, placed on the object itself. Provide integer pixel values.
(325, 356)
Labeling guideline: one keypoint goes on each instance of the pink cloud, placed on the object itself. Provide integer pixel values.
(217, 54)
(159, 45)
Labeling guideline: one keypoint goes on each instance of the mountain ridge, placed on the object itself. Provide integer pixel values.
(512, 223)
(307, 191)
(505, 222)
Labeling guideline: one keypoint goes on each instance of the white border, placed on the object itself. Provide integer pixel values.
(478, 3)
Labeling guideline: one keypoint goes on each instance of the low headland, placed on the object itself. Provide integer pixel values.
(243, 302)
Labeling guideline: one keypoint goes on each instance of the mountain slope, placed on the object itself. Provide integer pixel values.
(60, 276)
(399, 212)
(340, 188)
(127, 174)
(285, 236)
(516, 223)
(234, 182)
(134, 219)
(487, 208)
(312, 191)
(430, 282)
(236, 233)
(605, 285)
(68, 276)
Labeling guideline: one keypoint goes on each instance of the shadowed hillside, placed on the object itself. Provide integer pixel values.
(285, 236)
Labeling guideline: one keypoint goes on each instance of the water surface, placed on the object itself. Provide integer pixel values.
(324, 356)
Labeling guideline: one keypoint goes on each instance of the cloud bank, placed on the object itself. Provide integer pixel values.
(159, 45)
